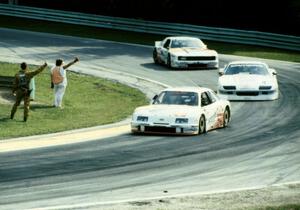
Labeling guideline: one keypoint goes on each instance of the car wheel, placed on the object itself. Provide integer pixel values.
(169, 65)
(202, 125)
(226, 117)
(155, 59)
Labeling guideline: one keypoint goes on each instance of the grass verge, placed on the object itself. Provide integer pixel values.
(142, 38)
(88, 101)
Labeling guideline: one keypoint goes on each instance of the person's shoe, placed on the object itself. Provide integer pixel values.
(25, 119)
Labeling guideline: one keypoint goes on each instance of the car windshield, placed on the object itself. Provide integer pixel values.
(247, 69)
(190, 43)
(177, 98)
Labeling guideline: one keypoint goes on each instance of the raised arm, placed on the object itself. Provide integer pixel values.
(71, 63)
(40, 69)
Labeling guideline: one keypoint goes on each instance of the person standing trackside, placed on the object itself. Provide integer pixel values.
(21, 88)
(59, 79)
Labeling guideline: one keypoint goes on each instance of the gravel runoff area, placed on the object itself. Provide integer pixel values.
(253, 199)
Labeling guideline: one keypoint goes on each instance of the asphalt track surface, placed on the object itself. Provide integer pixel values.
(261, 147)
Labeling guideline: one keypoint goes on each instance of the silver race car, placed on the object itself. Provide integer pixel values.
(184, 52)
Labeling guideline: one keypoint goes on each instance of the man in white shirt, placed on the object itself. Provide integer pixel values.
(59, 79)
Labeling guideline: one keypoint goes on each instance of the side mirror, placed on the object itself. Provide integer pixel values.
(274, 72)
(154, 99)
(221, 72)
(166, 45)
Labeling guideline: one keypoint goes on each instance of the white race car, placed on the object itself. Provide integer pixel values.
(182, 110)
(248, 80)
(184, 52)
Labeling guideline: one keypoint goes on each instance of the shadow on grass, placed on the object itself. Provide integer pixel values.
(5, 119)
(40, 106)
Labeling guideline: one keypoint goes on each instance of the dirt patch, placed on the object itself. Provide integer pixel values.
(6, 96)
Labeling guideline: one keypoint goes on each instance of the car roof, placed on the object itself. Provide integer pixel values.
(248, 62)
(181, 37)
(188, 89)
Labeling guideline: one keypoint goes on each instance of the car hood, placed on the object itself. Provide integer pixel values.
(245, 81)
(167, 110)
(192, 52)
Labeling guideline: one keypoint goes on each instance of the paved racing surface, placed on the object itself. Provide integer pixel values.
(261, 147)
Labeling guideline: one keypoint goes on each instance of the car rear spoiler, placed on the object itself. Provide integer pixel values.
(157, 43)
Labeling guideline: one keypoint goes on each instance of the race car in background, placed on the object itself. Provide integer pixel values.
(248, 80)
(184, 52)
(182, 110)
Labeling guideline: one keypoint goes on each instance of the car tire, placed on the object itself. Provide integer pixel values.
(155, 58)
(202, 125)
(226, 117)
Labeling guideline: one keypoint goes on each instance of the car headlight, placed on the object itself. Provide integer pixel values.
(142, 118)
(173, 56)
(181, 120)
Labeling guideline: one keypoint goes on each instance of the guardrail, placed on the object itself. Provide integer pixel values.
(207, 33)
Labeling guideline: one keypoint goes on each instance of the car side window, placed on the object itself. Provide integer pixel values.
(167, 43)
(205, 100)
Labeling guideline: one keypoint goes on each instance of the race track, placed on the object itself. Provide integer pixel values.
(261, 147)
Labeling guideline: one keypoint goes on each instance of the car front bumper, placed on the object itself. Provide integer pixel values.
(194, 64)
(185, 129)
(254, 95)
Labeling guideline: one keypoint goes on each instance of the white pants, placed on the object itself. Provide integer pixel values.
(59, 91)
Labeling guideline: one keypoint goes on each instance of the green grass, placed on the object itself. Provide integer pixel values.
(88, 101)
(143, 38)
